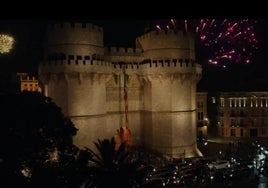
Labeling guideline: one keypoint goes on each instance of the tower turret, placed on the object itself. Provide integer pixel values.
(66, 40)
(167, 44)
(74, 76)
(169, 75)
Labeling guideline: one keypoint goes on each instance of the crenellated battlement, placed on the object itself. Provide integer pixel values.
(62, 56)
(170, 66)
(120, 54)
(165, 34)
(77, 62)
(169, 61)
(160, 65)
(58, 66)
(75, 26)
(122, 50)
(86, 60)
(147, 66)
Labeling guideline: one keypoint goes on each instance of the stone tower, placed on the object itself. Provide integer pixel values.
(87, 79)
(170, 78)
(74, 76)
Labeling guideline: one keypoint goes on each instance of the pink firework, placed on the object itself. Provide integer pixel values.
(223, 41)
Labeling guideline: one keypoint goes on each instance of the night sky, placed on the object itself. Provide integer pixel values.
(29, 36)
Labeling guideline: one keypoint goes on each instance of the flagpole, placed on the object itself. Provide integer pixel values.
(125, 95)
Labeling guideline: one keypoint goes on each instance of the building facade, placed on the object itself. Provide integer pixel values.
(28, 83)
(242, 114)
(88, 81)
(201, 115)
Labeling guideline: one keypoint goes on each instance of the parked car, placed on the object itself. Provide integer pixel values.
(219, 164)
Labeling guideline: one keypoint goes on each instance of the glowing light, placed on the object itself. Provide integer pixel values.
(54, 155)
(158, 27)
(186, 26)
(6, 43)
(26, 171)
(220, 38)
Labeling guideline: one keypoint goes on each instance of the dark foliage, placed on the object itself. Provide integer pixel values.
(110, 167)
(36, 144)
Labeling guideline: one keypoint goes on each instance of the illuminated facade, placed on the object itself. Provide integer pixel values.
(28, 82)
(87, 80)
(242, 114)
(201, 114)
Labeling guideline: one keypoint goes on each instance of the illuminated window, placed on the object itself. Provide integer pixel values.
(256, 102)
(222, 102)
(232, 103)
(213, 100)
(243, 102)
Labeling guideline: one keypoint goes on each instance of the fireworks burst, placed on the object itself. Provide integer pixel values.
(6, 43)
(226, 41)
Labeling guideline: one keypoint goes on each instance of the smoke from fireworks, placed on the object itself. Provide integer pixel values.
(226, 41)
(6, 43)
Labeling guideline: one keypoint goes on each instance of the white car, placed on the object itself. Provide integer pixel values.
(219, 164)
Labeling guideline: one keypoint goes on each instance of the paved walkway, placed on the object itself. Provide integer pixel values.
(220, 139)
(217, 144)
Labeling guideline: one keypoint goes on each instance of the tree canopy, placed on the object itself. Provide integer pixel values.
(36, 141)
(37, 150)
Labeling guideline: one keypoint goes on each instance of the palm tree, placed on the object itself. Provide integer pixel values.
(111, 167)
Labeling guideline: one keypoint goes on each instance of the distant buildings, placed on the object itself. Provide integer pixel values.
(201, 115)
(28, 82)
(18, 82)
(241, 114)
